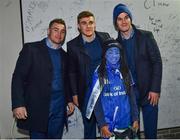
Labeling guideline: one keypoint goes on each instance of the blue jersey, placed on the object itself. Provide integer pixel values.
(115, 102)
(111, 104)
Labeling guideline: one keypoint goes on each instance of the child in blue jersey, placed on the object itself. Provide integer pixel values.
(111, 97)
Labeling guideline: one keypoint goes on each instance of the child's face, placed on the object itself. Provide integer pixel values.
(112, 55)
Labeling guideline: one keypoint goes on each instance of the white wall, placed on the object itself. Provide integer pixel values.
(159, 16)
(10, 45)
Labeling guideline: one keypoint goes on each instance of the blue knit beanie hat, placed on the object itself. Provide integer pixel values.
(118, 9)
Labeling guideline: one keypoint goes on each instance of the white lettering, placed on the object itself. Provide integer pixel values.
(117, 93)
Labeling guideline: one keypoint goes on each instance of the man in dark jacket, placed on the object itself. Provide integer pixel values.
(145, 64)
(84, 55)
(39, 85)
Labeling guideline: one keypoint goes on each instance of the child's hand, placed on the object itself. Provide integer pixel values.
(136, 125)
(105, 133)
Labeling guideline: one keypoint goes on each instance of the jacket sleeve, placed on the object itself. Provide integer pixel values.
(72, 70)
(19, 77)
(99, 114)
(66, 81)
(133, 104)
(156, 61)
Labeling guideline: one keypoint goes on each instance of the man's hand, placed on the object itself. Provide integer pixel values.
(105, 133)
(75, 100)
(154, 98)
(20, 113)
(70, 108)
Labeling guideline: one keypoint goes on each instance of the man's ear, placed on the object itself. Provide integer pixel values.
(78, 27)
(48, 31)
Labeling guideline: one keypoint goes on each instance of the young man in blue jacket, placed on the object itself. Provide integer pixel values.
(40, 86)
(144, 61)
(84, 55)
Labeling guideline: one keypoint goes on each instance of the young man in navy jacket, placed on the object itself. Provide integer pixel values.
(39, 85)
(84, 55)
(144, 61)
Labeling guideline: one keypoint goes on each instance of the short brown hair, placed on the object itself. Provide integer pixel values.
(84, 14)
(57, 20)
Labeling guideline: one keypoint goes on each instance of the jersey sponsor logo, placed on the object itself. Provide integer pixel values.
(117, 93)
